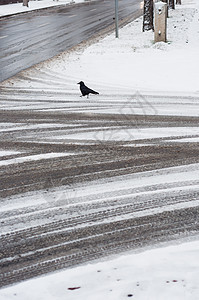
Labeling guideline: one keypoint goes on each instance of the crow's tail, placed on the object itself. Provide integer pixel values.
(94, 92)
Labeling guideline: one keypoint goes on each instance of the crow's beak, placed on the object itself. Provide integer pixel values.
(78, 83)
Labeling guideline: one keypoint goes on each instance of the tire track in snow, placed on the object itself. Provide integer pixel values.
(111, 195)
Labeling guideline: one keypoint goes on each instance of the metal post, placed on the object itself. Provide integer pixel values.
(116, 19)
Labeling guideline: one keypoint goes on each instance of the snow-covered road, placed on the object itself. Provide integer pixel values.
(81, 185)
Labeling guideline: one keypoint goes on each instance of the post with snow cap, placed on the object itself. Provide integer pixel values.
(160, 29)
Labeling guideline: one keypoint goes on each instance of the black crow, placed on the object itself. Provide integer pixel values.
(85, 90)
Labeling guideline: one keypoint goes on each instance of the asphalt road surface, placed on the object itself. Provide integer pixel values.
(67, 200)
(27, 39)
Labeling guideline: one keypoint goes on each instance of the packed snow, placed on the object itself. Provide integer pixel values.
(126, 65)
(32, 158)
(130, 134)
(8, 152)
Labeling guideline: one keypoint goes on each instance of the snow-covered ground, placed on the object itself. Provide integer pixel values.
(134, 63)
(123, 66)
(167, 273)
